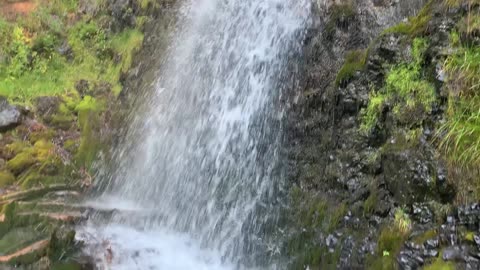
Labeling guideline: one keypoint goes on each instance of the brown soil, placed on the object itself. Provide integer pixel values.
(11, 10)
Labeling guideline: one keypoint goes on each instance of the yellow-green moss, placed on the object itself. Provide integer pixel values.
(70, 145)
(469, 236)
(6, 178)
(46, 134)
(16, 147)
(89, 143)
(370, 115)
(21, 162)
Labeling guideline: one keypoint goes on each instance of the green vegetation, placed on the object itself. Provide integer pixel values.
(6, 178)
(372, 112)
(390, 242)
(354, 61)
(313, 214)
(406, 90)
(460, 134)
(415, 26)
(440, 264)
(32, 65)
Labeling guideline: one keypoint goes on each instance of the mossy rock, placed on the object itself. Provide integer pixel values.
(46, 134)
(16, 147)
(6, 178)
(21, 162)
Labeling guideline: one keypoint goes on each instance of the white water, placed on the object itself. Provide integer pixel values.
(198, 176)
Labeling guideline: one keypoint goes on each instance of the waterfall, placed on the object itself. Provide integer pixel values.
(197, 177)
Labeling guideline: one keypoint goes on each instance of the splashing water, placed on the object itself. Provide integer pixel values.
(196, 180)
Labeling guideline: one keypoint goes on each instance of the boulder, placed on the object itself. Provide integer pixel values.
(9, 115)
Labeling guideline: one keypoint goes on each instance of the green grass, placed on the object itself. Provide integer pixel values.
(460, 134)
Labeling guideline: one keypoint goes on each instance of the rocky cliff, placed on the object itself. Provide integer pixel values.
(375, 182)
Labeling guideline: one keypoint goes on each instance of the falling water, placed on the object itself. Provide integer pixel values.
(198, 175)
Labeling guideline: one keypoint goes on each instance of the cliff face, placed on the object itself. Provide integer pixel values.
(372, 184)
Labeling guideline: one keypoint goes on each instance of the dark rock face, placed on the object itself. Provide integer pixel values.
(9, 115)
(376, 173)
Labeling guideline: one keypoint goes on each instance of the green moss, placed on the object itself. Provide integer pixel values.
(88, 103)
(406, 90)
(354, 61)
(145, 4)
(415, 26)
(44, 134)
(71, 145)
(469, 236)
(89, 143)
(6, 178)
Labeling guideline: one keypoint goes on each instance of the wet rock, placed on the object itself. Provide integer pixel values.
(453, 253)
(469, 215)
(9, 115)
(331, 242)
(422, 213)
(432, 243)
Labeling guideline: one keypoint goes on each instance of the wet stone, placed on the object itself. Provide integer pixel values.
(422, 213)
(452, 253)
(331, 242)
(430, 253)
(432, 243)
